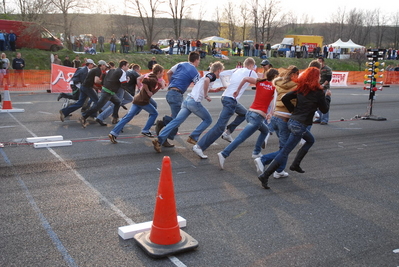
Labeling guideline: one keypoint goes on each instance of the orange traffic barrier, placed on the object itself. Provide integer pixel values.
(39, 80)
(165, 237)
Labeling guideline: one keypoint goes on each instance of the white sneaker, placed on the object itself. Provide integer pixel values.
(255, 156)
(281, 174)
(199, 152)
(227, 137)
(259, 165)
(221, 160)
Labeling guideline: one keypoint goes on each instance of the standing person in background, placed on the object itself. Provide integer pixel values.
(67, 62)
(309, 97)
(57, 60)
(4, 71)
(112, 44)
(18, 64)
(151, 63)
(325, 79)
(230, 106)
(198, 45)
(76, 63)
(132, 38)
(171, 44)
(12, 38)
(101, 41)
(94, 41)
(2, 41)
(180, 76)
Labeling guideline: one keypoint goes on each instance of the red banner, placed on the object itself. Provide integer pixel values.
(60, 78)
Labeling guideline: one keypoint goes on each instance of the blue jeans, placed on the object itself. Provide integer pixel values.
(189, 106)
(113, 47)
(323, 117)
(230, 106)
(134, 110)
(281, 129)
(104, 98)
(255, 122)
(109, 107)
(84, 93)
(175, 100)
(298, 131)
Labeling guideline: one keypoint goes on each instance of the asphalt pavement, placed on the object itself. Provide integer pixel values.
(62, 206)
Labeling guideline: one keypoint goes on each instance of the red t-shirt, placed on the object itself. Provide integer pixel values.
(263, 96)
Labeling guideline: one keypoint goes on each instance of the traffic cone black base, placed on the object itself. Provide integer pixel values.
(160, 251)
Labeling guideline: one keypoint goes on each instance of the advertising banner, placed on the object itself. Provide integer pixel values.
(60, 78)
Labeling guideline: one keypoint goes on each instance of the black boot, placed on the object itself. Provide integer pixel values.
(297, 161)
(264, 177)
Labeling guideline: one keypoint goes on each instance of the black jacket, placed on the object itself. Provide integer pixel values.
(306, 105)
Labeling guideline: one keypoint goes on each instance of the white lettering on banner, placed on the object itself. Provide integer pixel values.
(339, 79)
(61, 76)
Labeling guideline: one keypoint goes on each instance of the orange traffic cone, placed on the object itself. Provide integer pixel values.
(7, 106)
(165, 237)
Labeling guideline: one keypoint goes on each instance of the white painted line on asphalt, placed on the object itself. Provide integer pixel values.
(1, 127)
(173, 259)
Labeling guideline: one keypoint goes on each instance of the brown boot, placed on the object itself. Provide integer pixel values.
(167, 144)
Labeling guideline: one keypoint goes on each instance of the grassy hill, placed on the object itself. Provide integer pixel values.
(39, 59)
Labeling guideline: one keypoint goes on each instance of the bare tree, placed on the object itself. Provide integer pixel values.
(65, 6)
(178, 10)
(230, 17)
(339, 19)
(31, 10)
(381, 27)
(218, 23)
(245, 14)
(147, 14)
(395, 31)
(268, 19)
(255, 18)
(354, 23)
(200, 21)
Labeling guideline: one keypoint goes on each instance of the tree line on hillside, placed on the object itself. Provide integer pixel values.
(258, 20)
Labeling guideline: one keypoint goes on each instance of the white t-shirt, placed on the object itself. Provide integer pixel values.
(236, 77)
(197, 93)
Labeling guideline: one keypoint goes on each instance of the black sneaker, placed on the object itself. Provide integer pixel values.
(149, 134)
(112, 138)
(158, 126)
(101, 122)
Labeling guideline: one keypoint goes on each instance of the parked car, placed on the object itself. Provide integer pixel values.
(163, 42)
(31, 35)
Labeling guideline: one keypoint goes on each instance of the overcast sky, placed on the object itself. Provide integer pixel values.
(320, 11)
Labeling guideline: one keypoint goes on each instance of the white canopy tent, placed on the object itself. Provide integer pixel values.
(350, 46)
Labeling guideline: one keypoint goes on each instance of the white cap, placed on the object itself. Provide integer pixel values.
(90, 61)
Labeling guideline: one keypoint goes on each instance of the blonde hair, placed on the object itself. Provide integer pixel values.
(249, 61)
(3, 55)
(216, 66)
